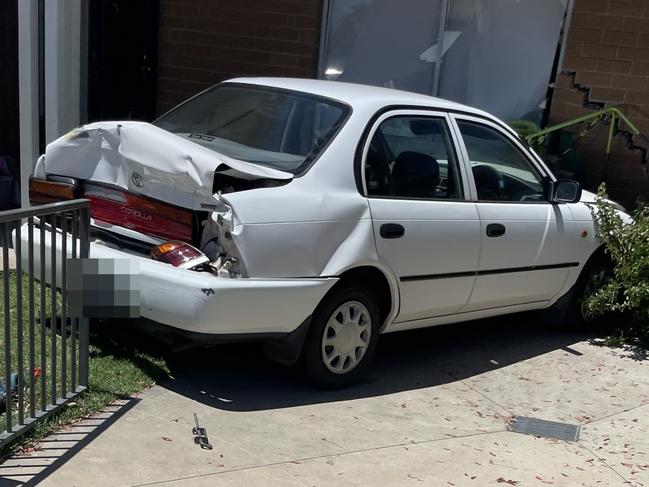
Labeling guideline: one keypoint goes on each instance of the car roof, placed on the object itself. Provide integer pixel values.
(357, 95)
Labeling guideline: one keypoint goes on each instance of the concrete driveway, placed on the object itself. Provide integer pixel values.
(434, 411)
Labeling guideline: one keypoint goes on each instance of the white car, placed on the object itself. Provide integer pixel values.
(317, 215)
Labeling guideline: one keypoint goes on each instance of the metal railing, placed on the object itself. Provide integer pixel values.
(45, 352)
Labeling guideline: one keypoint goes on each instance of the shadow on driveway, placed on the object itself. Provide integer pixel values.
(54, 451)
(240, 378)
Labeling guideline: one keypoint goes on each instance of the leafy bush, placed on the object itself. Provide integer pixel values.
(627, 244)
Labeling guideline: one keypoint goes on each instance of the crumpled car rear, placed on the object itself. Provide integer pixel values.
(275, 235)
(147, 186)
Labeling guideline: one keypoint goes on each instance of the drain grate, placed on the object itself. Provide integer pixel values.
(545, 429)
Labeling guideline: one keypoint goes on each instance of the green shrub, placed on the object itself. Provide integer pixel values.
(627, 244)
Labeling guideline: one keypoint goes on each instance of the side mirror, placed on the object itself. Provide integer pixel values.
(565, 191)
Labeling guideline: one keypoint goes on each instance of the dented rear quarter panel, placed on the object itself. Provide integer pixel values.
(329, 233)
(316, 225)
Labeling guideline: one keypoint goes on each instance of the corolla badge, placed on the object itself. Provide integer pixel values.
(137, 179)
(135, 213)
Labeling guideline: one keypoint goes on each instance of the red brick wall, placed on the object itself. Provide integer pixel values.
(607, 64)
(205, 41)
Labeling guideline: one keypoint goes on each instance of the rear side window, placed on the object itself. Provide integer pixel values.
(412, 157)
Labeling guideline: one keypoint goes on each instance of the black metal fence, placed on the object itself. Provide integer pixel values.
(45, 352)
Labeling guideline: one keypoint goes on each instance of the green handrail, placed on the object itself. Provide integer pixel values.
(538, 138)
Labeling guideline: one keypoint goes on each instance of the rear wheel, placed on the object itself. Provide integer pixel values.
(342, 337)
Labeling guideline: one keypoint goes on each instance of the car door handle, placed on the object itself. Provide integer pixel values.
(495, 230)
(392, 230)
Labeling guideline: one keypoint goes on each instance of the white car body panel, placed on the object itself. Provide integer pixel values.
(333, 227)
(537, 235)
(294, 241)
(441, 237)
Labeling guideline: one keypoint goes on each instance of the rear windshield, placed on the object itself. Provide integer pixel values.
(284, 130)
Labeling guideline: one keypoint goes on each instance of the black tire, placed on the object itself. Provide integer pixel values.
(594, 275)
(313, 352)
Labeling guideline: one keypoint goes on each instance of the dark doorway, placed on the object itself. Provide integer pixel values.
(9, 78)
(9, 121)
(122, 59)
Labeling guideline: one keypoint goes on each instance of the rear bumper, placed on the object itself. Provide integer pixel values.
(201, 303)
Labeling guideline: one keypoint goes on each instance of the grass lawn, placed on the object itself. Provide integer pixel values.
(120, 364)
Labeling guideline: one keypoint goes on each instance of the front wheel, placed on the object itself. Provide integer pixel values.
(342, 337)
(594, 276)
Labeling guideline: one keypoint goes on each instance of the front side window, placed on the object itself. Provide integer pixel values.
(500, 170)
(412, 157)
(284, 130)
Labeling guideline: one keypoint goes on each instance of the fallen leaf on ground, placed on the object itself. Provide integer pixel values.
(538, 477)
(501, 480)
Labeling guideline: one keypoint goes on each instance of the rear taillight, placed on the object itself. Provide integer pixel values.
(43, 191)
(179, 254)
(117, 207)
(139, 213)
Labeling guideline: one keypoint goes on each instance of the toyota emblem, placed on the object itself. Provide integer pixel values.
(137, 179)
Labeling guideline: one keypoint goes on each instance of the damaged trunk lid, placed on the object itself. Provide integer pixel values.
(146, 179)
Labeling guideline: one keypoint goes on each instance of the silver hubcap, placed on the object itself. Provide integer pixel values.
(346, 337)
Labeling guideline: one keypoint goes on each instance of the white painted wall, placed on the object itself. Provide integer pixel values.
(63, 76)
(28, 94)
(62, 67)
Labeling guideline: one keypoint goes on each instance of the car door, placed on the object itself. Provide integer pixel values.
(527, 243)
(426, 229)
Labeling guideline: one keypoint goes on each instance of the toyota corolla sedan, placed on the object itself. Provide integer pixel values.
(315, 216)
